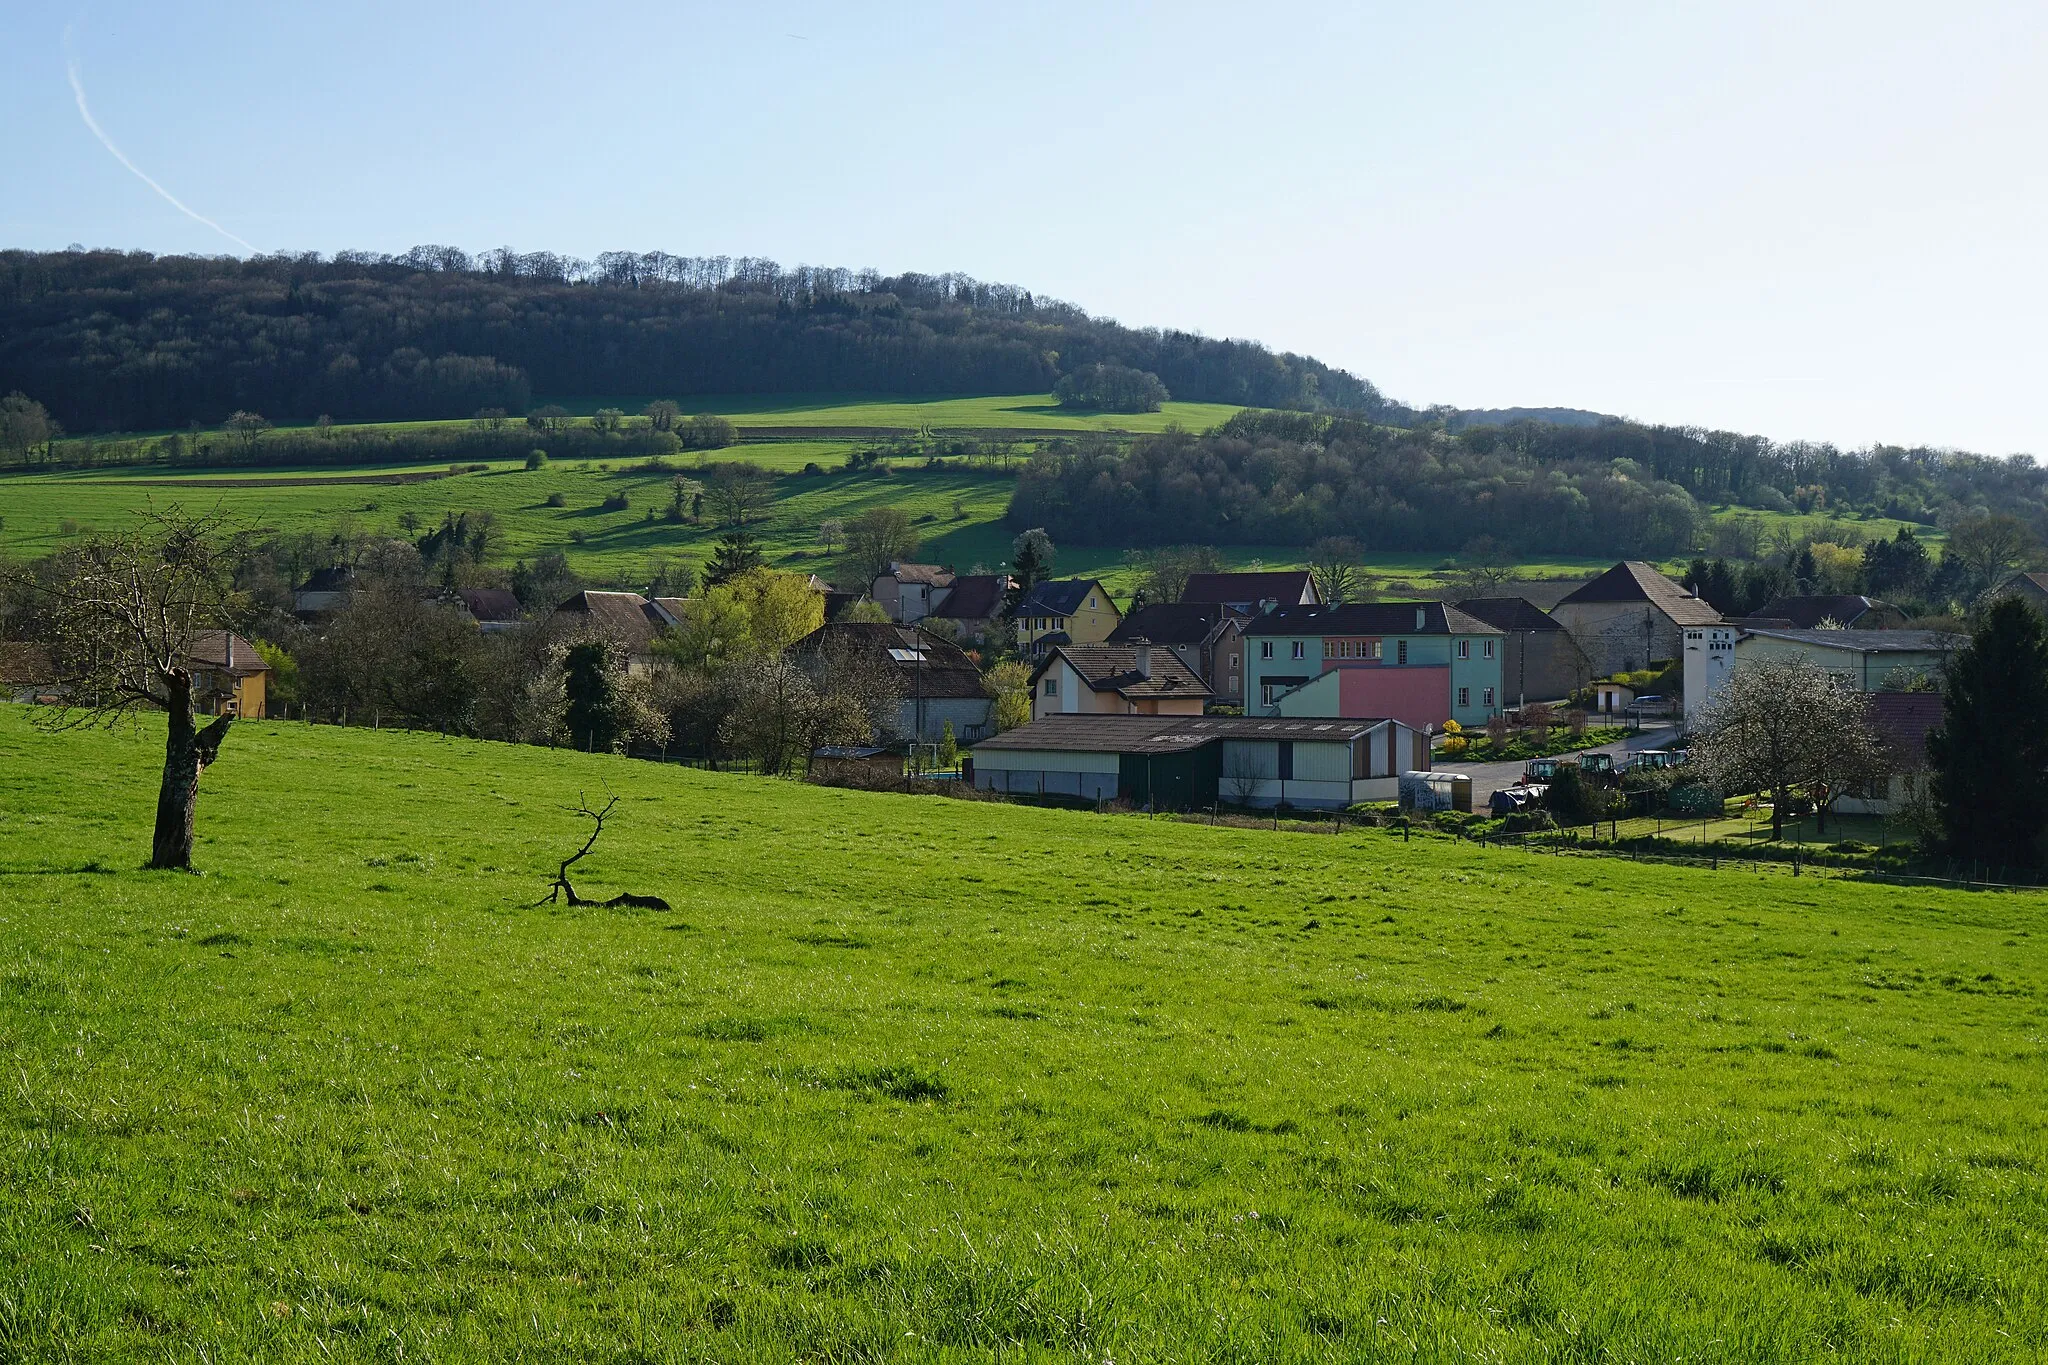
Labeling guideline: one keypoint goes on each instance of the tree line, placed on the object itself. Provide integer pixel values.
(129, 341)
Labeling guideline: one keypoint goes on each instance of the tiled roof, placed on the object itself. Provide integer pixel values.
(1168, 734)
(1634, 581)
(1172, 623)
(1805, 613)
(225, 650)
(1904, 720)
(490, 604)
(1370, 618)
(939, 669)
(1114, 668)
(626, 617)
(25, 661)
(974, 597)
(337, 578)
(1058, 597)
(936, 575)
(1288, 587)
(1509, 613)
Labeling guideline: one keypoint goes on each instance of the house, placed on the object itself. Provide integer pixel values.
(1198, 762)
(2028, 587)
(1902, 721)
(1421, 663)
(909, 592)
(326, 592)
(972, 606)
(1630, 617)
(492, 609)
(1063, 611)
(1709, 654)
(229, 677)
(1136, 678)
(1540, 660)
(1249, 594)
(934, 680)
(27, 672)
(1207, 637)
(626, 618)
(1848, 610)
(1866, 660)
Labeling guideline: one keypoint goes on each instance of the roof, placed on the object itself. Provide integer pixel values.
(225, 650)
(1058, 597)
(25, 661)
(335, 578)
(1807, 612)
(2037, 581)
(926, 665)
(1173, 623)
(626, 617)
(1168, 734)
(1370, 618)
(1288, 587)
(1509, 613)
(1114, 668)
(490, 604)
(1634, 581)
(1903, 720)
(1869, 641)
(975, 597)
(935, 574)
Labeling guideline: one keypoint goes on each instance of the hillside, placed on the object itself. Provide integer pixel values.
(129, 341)
(945, 1081)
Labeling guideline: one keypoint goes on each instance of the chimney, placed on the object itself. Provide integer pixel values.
(1144, 653)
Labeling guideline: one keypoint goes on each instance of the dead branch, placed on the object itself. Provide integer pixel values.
(561, 889)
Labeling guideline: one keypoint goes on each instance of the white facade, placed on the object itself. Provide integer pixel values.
(1709, 659)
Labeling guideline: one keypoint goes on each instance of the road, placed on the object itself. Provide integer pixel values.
(1488, 778)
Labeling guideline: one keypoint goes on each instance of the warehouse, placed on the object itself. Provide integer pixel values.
(1197, 762)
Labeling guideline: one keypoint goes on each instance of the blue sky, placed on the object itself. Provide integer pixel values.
(1806, 220)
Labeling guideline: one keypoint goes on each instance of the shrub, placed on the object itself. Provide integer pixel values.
(617, 502)
(536, 459)
(1456, 745)
(558, 500)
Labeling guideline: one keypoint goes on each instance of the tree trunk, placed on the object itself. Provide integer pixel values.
(187, 752)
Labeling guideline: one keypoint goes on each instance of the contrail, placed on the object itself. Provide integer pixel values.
(85, 112)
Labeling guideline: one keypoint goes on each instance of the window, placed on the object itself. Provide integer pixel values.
(1091, 604)
(1464, 697)
(1233, 663)
(1052, 687)
(1401, 652)
(1300, 649)
(1373, 648)
(1464, 649)
(1486, 697)
(1486, 650)
(1265, 649)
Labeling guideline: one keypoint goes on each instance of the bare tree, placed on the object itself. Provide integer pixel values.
(739, 493)
(123, 615)
(1334, 563)
(560, 887)
(1780, 725)
(247, 428)
(1242, 775)
(662, 414)
(875, 539)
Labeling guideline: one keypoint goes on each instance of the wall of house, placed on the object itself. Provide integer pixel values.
(970, 717)
(1421, 692)
(1415, 695)
(1541, 665)
(1865, 672)
(1619, 637)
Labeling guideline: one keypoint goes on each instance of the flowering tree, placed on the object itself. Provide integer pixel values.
(1782, 724)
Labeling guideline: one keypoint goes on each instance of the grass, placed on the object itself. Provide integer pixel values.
(914, 1079)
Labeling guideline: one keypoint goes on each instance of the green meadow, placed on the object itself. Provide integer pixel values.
(917, 1079)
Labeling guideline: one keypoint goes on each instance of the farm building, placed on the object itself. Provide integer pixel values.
(1540, 661)
(1866, 660)
(1193, 762)
(1630, 617)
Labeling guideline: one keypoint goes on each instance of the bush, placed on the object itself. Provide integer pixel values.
(536, 459)
(617, 502)
(558, 499)
(1456, 745)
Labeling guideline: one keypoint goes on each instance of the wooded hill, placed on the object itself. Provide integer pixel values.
(111, 340)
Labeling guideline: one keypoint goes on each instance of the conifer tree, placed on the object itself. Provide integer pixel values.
(1990, 756)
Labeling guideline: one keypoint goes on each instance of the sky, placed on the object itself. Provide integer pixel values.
(1809, 221)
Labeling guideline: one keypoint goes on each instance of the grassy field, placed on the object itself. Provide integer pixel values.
(914, 1079)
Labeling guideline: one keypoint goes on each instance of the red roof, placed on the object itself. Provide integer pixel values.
(1904, 720)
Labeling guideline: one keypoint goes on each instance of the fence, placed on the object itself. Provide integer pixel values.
(1818, 863)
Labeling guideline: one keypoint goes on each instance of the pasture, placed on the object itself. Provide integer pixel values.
(919, 1079)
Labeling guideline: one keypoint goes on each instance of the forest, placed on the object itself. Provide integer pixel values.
(128, 341)
(1617, 488)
